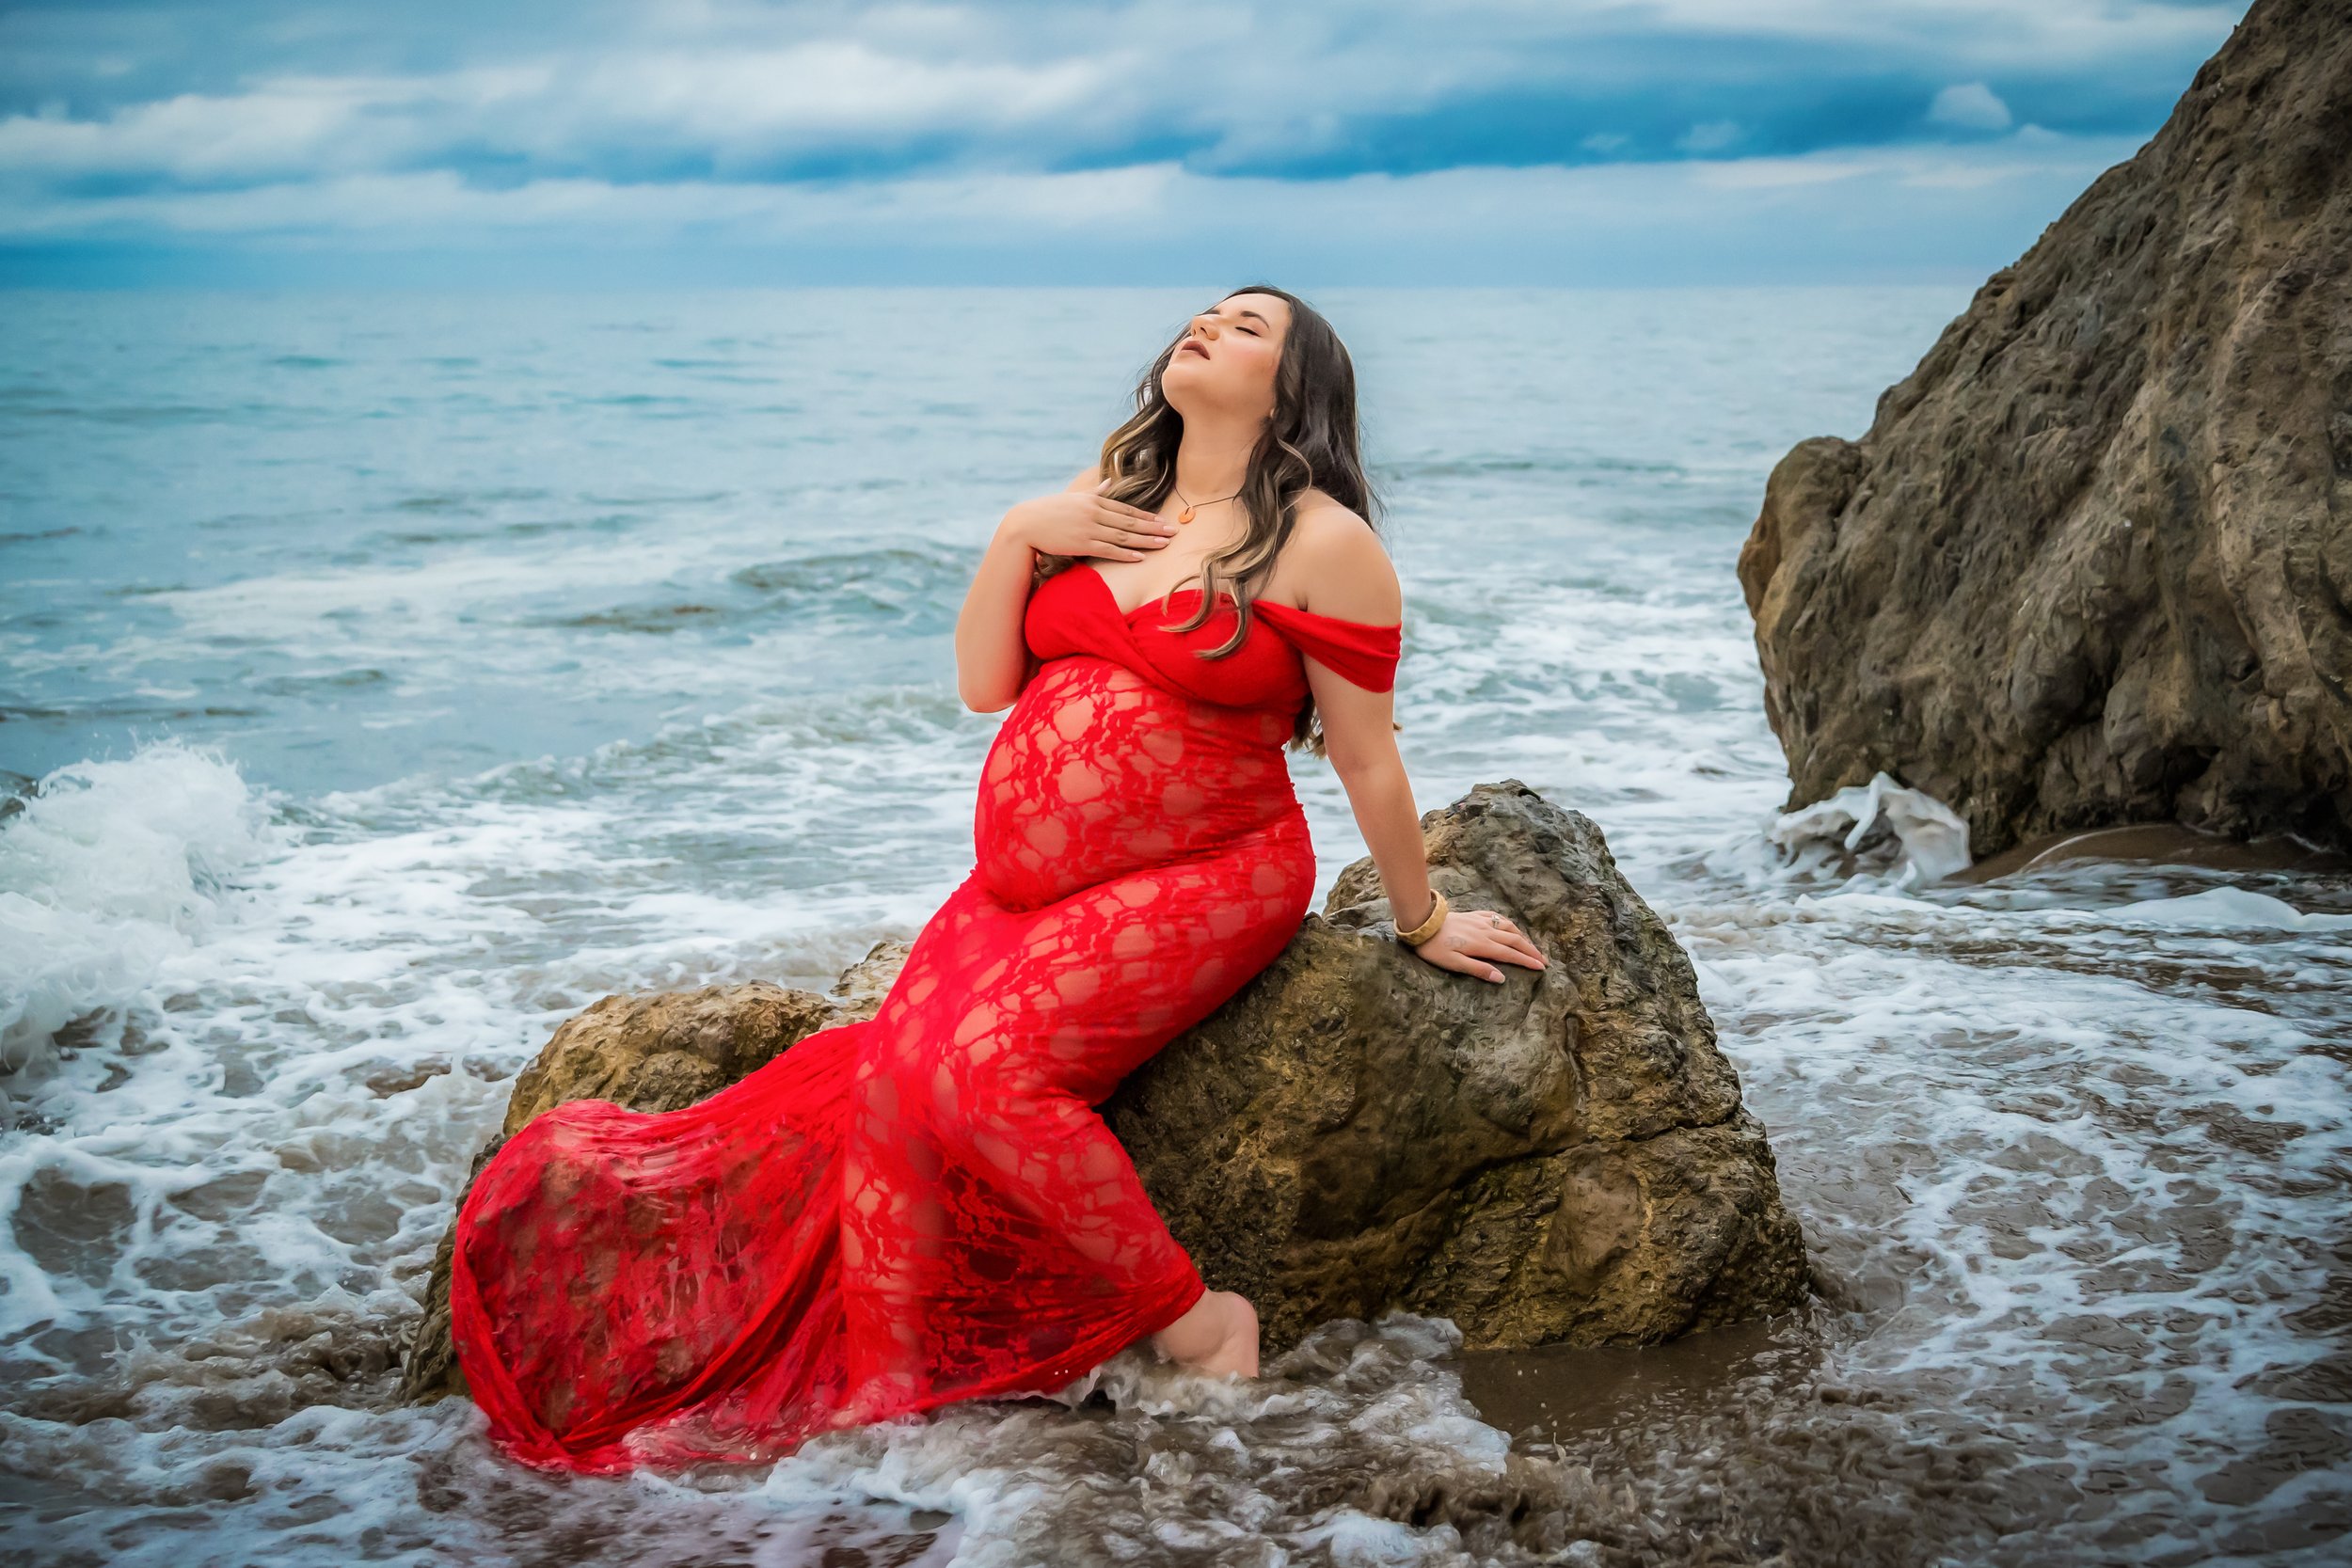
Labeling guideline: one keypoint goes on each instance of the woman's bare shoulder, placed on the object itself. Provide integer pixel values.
(1339, 567)
(1328, 523)
(1088, 477)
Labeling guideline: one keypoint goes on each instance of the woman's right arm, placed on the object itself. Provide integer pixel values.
(991, 656)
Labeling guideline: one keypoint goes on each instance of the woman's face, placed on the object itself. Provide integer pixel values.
(1224, 363)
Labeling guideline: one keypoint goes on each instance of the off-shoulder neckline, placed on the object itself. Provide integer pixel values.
(1112, 598)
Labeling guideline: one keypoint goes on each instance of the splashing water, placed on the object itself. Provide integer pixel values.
(362, 764)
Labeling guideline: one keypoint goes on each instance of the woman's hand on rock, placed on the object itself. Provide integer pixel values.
(1087, 522)
(1470, 937)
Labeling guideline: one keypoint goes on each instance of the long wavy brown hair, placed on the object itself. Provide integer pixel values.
(1311, 441)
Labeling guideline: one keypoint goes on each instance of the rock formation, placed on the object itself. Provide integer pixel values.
(1562, 1157)
(2091, 562)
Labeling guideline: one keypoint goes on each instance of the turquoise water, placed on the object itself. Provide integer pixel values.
(402, 673)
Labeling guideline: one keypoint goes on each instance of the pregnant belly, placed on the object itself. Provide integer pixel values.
(1097, 773)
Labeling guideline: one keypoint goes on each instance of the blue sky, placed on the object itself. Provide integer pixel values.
(721, 141)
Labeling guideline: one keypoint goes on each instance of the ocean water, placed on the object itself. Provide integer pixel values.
(388, 677)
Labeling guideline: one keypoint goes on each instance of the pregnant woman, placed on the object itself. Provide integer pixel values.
(925, 1207)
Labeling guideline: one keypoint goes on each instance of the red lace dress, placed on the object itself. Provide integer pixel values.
(925, 1207)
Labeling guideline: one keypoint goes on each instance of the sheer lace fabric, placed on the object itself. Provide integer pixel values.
(927, 1206)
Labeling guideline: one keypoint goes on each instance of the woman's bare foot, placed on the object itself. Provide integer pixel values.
(1219, 1336)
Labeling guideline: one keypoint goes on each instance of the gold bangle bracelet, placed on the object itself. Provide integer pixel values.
(1428, 928)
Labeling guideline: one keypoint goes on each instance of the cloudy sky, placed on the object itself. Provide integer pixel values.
(1164, 141)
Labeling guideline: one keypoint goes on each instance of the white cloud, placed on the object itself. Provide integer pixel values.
(1711, 136)
(727, 106)
(1759, 174)
(1970, 107)
(192, 136)
(2040, 34)
(648, 90)
(435, 206)
(935, 125)
(757, 99)
(1479, 213)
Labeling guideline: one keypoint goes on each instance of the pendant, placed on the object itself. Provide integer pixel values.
(1185, 516)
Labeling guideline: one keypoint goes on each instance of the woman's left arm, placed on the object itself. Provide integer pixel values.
(1354, 579)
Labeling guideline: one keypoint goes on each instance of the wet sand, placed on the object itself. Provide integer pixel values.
(1554, 1392)
(2159, 843)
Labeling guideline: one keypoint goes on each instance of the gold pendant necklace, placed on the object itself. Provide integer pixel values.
(1185, 516)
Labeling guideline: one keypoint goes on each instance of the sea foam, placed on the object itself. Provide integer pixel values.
(110, 871)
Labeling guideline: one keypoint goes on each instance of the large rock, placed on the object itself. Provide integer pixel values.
(1564, 1157)
(2091, 564)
